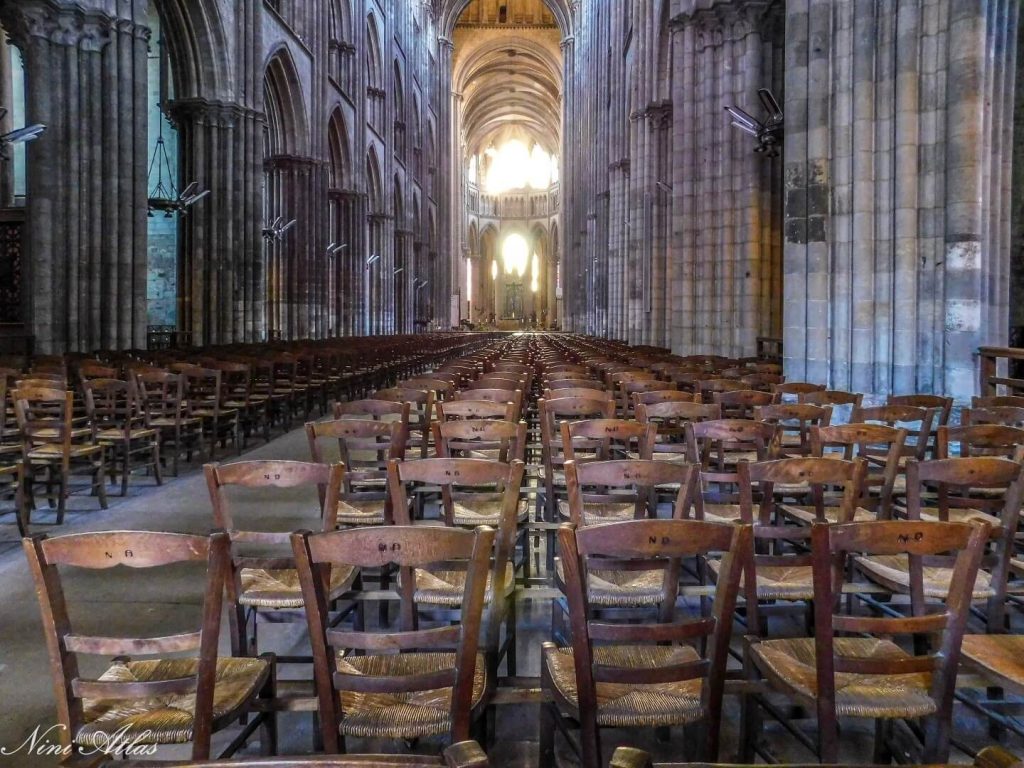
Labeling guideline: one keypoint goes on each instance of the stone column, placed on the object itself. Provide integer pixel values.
(86, 218)
(222, 286)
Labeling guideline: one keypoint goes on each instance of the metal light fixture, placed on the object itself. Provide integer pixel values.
(20, 135)
(164, 195)
(769, 132)
(278, 229)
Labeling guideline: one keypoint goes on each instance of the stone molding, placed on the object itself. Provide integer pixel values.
(66, 25)
(217, 114)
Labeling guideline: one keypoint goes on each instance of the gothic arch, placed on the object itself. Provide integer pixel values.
(374, 183)
(341, 21)
(399, 195)
(196, 41)
(338, 148)
(374, 57)
(450, 11)
(287, 132)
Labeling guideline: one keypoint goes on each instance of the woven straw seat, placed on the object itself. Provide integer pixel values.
(627, 705)
(167, 719)
(961, 515)
(54, 452)
(172, 423)
(808, 514)
(891, 571)
(670, 456)
(485, 512)
(600, 512)
(53, 434)
(280, 588)
(790, 666)
(722, 513)
(621, 589)
(491, 454)
(403, 715)
(361, 512)
(445, 587)
(209, 413)
(999, 657)
(779, 582)
(13, 448)
(118, 434)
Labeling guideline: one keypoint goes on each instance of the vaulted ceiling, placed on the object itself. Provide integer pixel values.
(509, 73)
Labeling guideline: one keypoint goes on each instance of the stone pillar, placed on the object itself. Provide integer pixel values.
(86, 218)
(895, 250)
(442, 284)
(222, 286)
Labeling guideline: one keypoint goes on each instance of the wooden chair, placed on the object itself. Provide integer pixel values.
(718, 447)
(1005, 415)
(656, 396)
(832, 397)
(942, 404)
(238, 395)
(850, 441)
(659, 673)
(53, 446)
(851, 667)
(779, 574)
(795, 389)
(421, 410)
(162, 397)
(119, 423)
(12, 485)
(794, 422)
(378, 410)
(474, 493)
(495, 396)
(491, 439)
(742, 403)
(268, 582)
(957, 482)
(365, 447)
(161, 700)
(204, 395)
(917, 421)
(377, 693)
(670, 417)
(550, 413)
(459, 410)
(629, 389)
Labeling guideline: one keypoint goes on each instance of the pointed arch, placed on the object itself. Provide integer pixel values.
(287, 126)
(339, 151)
(399, 201)
(374, 183)
(195, 36)
(374, 56)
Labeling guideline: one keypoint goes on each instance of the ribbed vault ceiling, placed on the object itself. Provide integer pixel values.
(510, 79)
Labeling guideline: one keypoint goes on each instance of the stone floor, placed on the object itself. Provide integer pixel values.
(151, 606)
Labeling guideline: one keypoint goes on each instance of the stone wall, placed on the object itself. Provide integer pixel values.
(897, 204)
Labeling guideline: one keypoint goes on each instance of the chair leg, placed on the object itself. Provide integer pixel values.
(510, 636)
(157, 472)
(883, 732)
(268, 726)
(750, 728)
(100, 479)
(63, 497)
(126, 468)
(546, 757)
(590, 741)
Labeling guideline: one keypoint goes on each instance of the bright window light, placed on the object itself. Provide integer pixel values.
(513, 166)
(516, 255)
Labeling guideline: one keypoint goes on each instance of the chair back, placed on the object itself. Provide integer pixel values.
(688, 648)
(831, 397)
(980, 440)
(655, 396)
(161, 394)
(606, 439)
(881, 445)
(794, 421)
(514, 396)
(458, 410)
(943, 404)
(44, 417)
(112, 404)
(916, 420)
(633, 482)
(1005, 415)
(794, 389)
(463, 438)
(741, 403)
(408, 548)
(51, 561)
(936, 629)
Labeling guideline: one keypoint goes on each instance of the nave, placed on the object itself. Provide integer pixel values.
(731, 444)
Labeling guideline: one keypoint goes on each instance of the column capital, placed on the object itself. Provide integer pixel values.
(59, 24)
(728, 20)
(217, 114)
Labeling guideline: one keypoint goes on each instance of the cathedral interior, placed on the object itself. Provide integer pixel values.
(482, 359)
